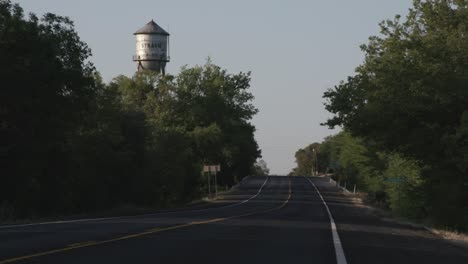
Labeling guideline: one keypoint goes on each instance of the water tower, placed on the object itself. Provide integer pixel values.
(152, 46)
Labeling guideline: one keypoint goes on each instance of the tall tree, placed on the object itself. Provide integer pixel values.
(310, 160)
(261, 168)
(208, 96)
(410, 96)
(47, 84)
(72, 144)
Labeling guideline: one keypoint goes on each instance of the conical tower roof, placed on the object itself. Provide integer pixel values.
(151, 28)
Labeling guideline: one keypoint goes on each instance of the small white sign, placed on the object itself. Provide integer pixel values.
(211, 168)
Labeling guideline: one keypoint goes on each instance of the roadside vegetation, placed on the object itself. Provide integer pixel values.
(260, 169)
(404, 116)
(71, 143)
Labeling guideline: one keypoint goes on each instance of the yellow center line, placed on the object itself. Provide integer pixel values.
(267, 210)
(148, 232)
(155, 229)
(82, 243)
(208, 221)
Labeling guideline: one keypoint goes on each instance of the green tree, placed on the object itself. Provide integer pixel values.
(305, 159)
(408, 197)
(207, 95)
(47, 85)
(260, 168)
(72, 144)
(199, 116)
(409, 96)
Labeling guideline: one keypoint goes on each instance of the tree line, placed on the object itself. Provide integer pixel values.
(404, 116)
(74, 144)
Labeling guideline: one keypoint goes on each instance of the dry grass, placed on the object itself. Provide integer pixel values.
(457, 237)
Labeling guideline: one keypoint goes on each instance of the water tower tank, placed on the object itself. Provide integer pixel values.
(152, 44)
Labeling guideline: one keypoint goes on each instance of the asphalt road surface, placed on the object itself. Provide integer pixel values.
(264, 220)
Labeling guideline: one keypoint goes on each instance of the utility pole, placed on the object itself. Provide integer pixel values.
(316, 163)
(315, 173)
(216, 185)
(209, 185)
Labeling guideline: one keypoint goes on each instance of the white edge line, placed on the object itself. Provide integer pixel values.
(130, 216)
(340, 256)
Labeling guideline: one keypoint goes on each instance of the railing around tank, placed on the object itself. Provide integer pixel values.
(151, 57)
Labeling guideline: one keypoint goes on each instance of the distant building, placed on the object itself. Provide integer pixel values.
(152, 46)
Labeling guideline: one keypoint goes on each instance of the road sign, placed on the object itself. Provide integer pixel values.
(335, 164)
(215, 168)
(211, 168)
(395, 180)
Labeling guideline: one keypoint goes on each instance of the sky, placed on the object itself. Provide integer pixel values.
(295, 49)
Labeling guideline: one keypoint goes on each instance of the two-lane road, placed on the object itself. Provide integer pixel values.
(265, 220)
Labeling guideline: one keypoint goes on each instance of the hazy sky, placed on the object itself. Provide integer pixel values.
(295, 49)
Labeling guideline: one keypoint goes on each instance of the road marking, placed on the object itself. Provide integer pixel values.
(154, 229)
(267, 210)
(148, 232)
(253, 197)
(151, 214)
(82, 243)
(340, 256)
(62, 222)
(91, 243)
(208, 221)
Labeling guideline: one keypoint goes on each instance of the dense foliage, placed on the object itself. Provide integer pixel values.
(260, 169)
(72, 144)
(390, 180)
(410, 96)
(310, 160)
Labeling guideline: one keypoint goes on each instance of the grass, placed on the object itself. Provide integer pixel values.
(456, 237)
